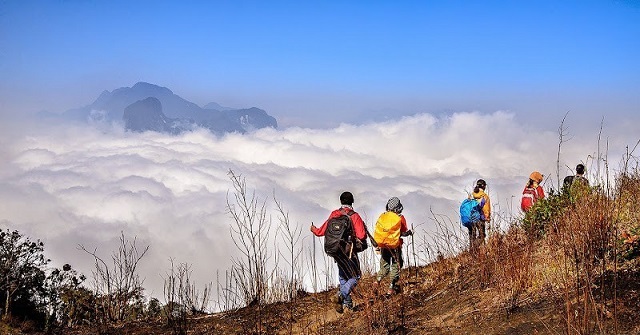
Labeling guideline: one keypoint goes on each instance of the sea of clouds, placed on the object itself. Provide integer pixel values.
(80, 185)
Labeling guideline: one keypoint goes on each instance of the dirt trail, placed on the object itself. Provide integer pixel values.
(312, 321)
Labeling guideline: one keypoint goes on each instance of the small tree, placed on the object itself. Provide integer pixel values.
(154, 308)
(62, 296)
(21, 268)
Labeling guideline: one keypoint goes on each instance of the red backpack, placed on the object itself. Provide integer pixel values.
(529, 197)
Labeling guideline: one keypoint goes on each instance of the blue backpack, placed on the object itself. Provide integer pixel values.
(470, 211)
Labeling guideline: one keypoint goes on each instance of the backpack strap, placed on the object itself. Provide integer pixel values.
(348, 213)
(530, 192)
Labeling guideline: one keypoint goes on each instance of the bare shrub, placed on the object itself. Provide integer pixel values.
(118, 287)
(511, 265)
(227, 294)
(250, 234)
(182, 298)
(290, 235)
(584, 237)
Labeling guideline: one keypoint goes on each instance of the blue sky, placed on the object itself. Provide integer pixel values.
(317, 62)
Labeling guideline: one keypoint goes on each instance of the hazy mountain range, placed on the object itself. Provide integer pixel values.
(145, 107)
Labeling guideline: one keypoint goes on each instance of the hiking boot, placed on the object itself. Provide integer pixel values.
(376, 287)
(348, 308)
(337, 300)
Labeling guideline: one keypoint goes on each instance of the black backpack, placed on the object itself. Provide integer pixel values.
(339, 235)
(567, 182)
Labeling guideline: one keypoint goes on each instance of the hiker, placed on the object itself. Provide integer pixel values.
(577, 183)
(532, 191)
(345, 236)
(477, 232)
(390, 227)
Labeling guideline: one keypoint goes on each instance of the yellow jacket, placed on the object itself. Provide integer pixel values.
(486, 209)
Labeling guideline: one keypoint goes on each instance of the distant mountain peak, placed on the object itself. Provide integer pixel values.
(217, 106)
(144, 86)
(146, 106)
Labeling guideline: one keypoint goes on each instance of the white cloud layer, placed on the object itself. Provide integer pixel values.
(70, 186)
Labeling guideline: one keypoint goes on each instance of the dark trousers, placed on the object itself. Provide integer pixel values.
(390, 264)
(349, 274)
(477, 234)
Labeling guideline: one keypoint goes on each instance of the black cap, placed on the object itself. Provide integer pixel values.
(579, 169)
(481, 184)
(346, 198)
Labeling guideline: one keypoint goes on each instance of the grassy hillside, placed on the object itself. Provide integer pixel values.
(571, 266)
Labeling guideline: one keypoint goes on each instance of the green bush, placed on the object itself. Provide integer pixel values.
(544, 213)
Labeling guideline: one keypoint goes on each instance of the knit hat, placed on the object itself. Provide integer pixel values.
(394, 205)
(536, 176)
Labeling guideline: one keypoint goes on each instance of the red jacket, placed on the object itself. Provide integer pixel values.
(530, 196)
(358, 223)
(403, 228)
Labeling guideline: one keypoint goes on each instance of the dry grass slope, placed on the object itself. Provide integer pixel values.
(572, 267)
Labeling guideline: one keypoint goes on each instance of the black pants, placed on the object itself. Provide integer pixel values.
(477, 234)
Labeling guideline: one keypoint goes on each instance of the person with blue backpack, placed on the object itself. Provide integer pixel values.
(475, 213)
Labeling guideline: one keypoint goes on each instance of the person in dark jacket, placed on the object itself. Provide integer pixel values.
(577, 183)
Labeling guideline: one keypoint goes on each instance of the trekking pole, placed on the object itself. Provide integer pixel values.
(313, 265)
(413, 251)
(373, 241)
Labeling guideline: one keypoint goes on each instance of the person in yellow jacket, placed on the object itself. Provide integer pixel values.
(390, 228)
(478, 231)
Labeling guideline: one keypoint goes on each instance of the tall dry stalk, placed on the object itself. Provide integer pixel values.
(562, 134)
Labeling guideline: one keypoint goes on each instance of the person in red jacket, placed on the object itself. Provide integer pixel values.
(532, 191)
(348, 264)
